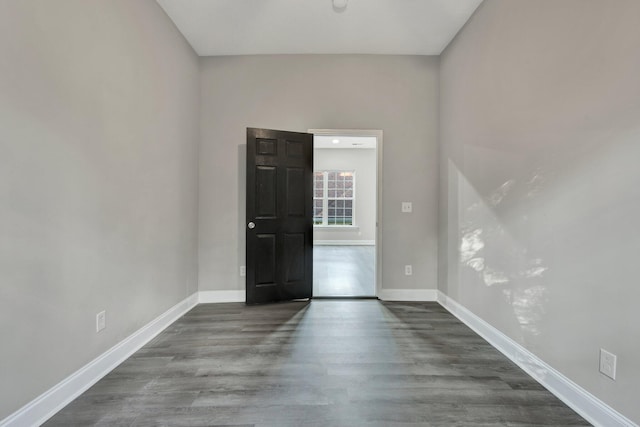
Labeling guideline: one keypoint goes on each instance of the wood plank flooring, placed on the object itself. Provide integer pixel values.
(344, 271)
(323, 363)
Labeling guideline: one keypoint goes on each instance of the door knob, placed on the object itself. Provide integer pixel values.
(251, 225)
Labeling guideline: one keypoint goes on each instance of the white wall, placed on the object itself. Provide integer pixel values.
(363, 162)
(397, 94)
(98, 184)
(540, 194)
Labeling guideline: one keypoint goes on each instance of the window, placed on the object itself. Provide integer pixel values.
(333, 198)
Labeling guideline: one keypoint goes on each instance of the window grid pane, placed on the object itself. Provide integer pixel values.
(333, 198)
(318, 194)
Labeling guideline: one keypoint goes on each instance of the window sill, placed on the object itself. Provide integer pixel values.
(336, 227)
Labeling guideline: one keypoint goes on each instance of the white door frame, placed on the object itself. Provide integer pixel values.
(378, 135)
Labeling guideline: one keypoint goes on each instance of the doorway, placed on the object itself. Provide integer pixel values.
(346, 212)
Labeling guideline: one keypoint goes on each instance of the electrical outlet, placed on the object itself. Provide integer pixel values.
(243, 270)
(408, 270)
(407, 207)
(608, 363)
(101, 321)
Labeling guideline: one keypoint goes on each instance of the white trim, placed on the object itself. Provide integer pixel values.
(408, 295)
(53, 400)
(344, 242)
(207, 297)
(351, 228)
(580, 400)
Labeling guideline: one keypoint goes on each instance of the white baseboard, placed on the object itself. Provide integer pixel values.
(584, 403)
(408, 295)
(206, 297)
(344, 242)
(53, 400)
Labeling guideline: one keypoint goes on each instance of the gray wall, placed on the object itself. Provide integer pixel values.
(540, 131)
(98, 182)
(398, 94)
(363, 162)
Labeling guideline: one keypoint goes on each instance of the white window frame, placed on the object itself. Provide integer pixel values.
(325, 199)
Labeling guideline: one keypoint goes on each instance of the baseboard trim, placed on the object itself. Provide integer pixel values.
(580, 400)
(408, 295)
(53, 400)
(584, 403)
(344, 242)
(207, 297)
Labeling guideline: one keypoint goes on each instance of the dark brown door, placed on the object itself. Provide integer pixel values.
(279, 215)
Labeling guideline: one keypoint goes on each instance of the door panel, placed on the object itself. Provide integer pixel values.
(295, 192)
(267, 147)
(266, 192)
(266, 262)
(293, 258)
(295, 149)
(279, 233)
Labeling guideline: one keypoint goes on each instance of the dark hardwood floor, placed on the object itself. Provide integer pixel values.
(323, 363)
(340, 271)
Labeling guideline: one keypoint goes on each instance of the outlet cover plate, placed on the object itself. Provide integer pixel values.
(608, 362)
(407, 207)
(408, 270)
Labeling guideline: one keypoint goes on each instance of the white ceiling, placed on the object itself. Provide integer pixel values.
(324, 141)
(253, 27)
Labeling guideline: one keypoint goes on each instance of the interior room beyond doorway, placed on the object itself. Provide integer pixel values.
(345, 215)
